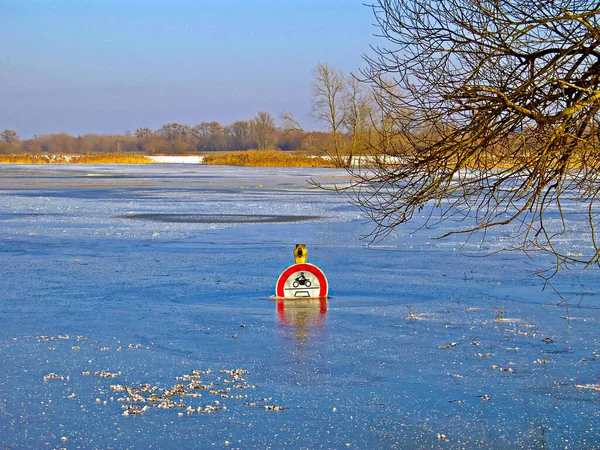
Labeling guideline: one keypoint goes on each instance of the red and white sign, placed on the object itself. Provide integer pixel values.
(302, 281)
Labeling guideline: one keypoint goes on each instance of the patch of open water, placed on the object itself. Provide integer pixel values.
(217, 218)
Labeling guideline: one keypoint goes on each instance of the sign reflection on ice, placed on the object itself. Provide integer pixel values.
(305, 312)
(302, 315)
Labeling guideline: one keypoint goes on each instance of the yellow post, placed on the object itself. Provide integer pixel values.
(300, 253)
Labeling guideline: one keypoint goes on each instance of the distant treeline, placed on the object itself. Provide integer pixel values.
(173, 138)
(355, 116)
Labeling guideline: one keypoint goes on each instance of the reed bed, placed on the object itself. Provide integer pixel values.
(266, 158)
(108, 158)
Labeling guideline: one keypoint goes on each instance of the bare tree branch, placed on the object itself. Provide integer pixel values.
(491, 115)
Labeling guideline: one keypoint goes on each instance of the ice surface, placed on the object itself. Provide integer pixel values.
(148, 273)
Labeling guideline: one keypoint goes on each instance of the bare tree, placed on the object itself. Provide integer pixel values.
(210, 136)
(172, 131)
(201, 135)
(263, 130)
(240, 132)
(358, 107)
(143, 133)
(494, 112)
(329, 89)
(218, 137)
(9, 136)
(342, 105)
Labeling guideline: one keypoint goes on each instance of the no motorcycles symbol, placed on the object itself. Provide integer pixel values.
(302, 281)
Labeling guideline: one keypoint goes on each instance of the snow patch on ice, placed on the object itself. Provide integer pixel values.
(178, 159)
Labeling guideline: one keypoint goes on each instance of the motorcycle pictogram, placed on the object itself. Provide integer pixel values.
(301, 281)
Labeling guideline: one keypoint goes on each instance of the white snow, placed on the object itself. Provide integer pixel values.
(177, 159)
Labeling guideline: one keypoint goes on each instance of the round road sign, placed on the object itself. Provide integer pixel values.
(302, 281)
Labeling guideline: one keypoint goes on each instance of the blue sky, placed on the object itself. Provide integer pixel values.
(106, 66)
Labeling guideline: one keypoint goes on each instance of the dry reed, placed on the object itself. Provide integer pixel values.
(265, 158)
(108, 158)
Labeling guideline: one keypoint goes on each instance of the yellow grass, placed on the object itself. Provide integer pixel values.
(265, 158)
(108, 158)
(112, 158)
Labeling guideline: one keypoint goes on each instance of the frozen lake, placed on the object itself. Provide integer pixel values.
(157, 281)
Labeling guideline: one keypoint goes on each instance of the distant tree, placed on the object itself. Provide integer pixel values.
(172, 131)
(240, 133)
(217, 140)
(9, 136)
(329, 92)
(210, 136)
(156, 144)
(60, 143)
(32, 146)
(290, 139)
(359, 107)
(344, 106)
(201, 134)
(387, 126)
(203, 129)
(83, 145)
(143, 132)
(263, 130)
